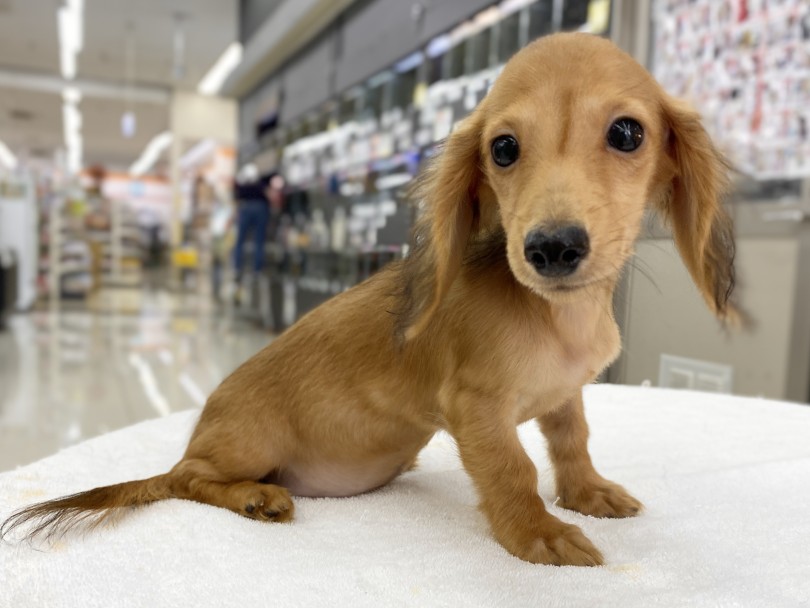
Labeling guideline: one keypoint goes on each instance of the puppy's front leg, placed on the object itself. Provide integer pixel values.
(506, 480)
(579, 486)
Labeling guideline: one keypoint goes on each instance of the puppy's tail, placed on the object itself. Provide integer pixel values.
(53, 518)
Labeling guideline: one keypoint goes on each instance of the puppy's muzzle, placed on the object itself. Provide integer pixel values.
(557, 252)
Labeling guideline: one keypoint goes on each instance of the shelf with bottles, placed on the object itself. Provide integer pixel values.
(417, 101)
(66, 258)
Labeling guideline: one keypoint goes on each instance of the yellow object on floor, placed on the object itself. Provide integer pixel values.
(185, 257)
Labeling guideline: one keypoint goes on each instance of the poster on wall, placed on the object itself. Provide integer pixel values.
(745, 65)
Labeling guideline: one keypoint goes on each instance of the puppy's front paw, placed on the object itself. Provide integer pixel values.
(600, 498)
(554, 543)
(567, 548)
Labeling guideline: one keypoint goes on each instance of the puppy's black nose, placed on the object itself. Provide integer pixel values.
(557, 253)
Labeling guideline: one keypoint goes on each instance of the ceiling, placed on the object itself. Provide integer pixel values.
(31, 121)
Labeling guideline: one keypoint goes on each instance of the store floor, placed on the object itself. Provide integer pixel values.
(78, 370)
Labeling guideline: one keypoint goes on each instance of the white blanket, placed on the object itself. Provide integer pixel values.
(725, 481)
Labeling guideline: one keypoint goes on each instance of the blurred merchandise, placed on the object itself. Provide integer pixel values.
(746, 66)
(19, 233)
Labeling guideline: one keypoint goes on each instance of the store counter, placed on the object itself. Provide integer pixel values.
(724, 481)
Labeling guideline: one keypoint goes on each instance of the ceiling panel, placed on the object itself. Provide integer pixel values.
(209, 27)
(28, 36)
(32, 121)
(104, 143)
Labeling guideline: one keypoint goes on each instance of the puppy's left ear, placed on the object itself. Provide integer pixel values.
(693, 204)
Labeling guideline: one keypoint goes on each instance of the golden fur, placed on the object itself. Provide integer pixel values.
(464, 334)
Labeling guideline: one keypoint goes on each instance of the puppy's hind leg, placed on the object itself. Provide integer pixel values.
(226, 464)
(201, 481)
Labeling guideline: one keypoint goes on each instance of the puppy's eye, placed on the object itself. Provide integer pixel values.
(625, 135)
(505, 150)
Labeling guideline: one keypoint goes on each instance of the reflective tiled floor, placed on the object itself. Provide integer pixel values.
(74, 371)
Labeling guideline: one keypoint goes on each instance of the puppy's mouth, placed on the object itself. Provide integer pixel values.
(571, 286)
(565, 288)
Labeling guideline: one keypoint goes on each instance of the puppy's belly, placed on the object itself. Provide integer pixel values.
(336, 479)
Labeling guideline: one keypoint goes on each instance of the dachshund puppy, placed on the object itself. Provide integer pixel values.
(500, 314)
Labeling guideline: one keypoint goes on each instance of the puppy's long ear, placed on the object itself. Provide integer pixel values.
(693, 204)
(448, 191)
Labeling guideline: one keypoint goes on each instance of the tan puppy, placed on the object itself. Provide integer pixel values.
(501, 314)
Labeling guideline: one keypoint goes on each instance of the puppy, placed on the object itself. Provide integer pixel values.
(500, 314)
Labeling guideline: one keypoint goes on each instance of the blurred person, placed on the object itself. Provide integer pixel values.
(275, 194)
(253, 204)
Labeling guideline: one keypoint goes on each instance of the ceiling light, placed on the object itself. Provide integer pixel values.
(438, 46)
(212, 82)
(151, 153)
(410, 62)
(71, 121)
(71, 95)
(72, 127)
(198, 153)
(380, 79)
(128, 124)
(74, 156)
(7, 157)
(76, 8)
(507, 7)
(67, 44)
(70, 22)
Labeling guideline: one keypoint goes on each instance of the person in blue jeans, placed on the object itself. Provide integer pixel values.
(253, 215)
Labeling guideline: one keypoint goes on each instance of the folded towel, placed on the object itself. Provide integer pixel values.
(725, 481)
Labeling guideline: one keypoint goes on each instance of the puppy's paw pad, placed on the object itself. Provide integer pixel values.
(267, 503)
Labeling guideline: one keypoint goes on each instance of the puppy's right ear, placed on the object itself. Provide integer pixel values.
(448, 192)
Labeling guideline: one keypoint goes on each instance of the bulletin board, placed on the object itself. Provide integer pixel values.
(745, 65)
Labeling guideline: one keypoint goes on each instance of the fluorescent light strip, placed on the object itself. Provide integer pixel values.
(76, 8)
(7, 156)
(198, 153)
(507, 7)
(410, 62)
(212, 82)
(74, 156)
(72, 126)
(438, 46)
(151, 153)
(67, 43)
(70, 22)
(380, 78)
(71, 95)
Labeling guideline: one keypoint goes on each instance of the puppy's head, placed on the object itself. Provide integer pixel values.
(564, 155)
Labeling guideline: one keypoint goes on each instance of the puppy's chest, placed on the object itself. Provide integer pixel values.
(569, 357)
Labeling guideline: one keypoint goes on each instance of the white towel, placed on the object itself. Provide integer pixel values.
(725, 481)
